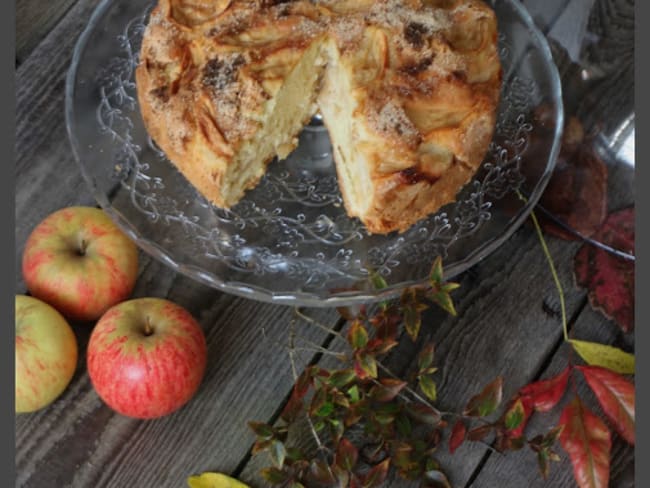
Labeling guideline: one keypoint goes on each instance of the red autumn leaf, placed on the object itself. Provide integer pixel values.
(292, 408)
(609, 278)
(457, 435)
(388, 390)
(380, 346)
(424, 413)
(616, 396)
(576, 194)
(346, 455)
(543, 395)
(479, 433)
(365, 366)
(588, 442)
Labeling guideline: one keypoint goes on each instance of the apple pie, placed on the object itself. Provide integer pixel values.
(407, 89)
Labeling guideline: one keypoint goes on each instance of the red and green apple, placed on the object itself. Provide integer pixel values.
(46, 354)
(146, 357)
(80, 262)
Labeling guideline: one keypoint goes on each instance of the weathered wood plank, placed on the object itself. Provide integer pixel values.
(78, 441)
(47, 177)
(34, 20)
(520, 468)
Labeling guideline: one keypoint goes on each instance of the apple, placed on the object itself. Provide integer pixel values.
(80, 262)
(46, 354)
(146, 357)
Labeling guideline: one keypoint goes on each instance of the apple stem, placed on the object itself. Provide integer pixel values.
(148, 329)
(82, 247)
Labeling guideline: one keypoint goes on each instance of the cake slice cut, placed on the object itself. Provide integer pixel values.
(408, 90)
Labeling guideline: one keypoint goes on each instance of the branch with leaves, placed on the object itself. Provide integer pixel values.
(365, 420)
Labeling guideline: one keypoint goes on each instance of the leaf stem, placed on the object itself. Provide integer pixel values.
(408, 389)
(327, 329)
(294, 371)
(549, 258)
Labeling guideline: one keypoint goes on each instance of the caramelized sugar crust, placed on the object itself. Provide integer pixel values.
(408, 90)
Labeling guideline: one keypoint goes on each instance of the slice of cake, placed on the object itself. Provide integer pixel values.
(408, 91)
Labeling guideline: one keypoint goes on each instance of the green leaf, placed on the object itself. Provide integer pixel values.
(436, 274)
(357, 335)
(326, 409)
(353, 393)
(542, 461)
(214, 480)
(428, 387)
(319, 425)
(318, 400)
(487, 401)
(341, 378)
(278, 454)
(551, 436)
(378, 281)
(449, 287)
(605, 356)
(274, 476)
(403, 424)
(444, 301)
(425, 357)
(295, 454)
(262, 431)
(412, 312)
(336, 428)
(366, 366)
(515, 415)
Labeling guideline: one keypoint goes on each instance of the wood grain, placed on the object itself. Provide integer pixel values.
(34, 20)
(47, 176)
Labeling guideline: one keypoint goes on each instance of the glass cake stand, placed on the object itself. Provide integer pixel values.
(289, 240)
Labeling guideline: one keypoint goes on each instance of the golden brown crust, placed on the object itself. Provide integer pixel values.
(424, 79)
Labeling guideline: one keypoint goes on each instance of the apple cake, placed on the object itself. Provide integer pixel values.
(407, 89)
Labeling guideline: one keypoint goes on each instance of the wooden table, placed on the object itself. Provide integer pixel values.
(508, 309)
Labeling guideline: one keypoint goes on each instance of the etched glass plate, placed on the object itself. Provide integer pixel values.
(289, 240)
